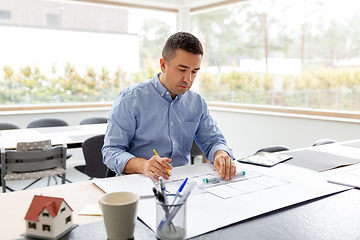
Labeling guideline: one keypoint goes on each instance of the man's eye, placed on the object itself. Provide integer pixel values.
(182, 70)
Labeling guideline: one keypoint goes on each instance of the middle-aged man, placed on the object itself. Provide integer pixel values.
(164, 115)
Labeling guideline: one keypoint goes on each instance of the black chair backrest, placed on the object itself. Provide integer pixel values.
(195, 150)
(275, 148)
(93, 157)
(323, 142)
(110, 173)
(8, 126)
(47, 122)
(93, 120)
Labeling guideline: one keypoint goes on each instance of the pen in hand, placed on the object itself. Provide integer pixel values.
(164, 167)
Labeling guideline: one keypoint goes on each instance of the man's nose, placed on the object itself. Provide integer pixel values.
(187, 78)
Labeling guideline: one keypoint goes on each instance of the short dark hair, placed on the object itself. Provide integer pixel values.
(181, 40)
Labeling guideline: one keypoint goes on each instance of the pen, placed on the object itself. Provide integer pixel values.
(164, 167)
(158, 195)
(169, 218)
(162, 187)
(179, 190)
(213, 178)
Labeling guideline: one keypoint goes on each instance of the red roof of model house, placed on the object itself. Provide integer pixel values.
(52, 204)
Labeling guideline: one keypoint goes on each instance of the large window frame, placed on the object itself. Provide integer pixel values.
(331, 115)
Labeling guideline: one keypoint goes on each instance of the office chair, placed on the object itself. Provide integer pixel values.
(8, 126)
(93, 120)
(323, 142)
(195, 151)
(110, 173)
(50, 122)
(274, 148)
(47, 122)
(93, 157)
(33, 160)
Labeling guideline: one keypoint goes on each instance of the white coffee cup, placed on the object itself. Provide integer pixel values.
(119, 213)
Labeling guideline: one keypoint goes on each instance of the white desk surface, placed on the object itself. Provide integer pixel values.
(57, 135)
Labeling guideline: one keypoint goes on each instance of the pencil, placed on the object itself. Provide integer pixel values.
(164, 167)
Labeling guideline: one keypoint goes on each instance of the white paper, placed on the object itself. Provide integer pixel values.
(214, 207)
(347, 176)
(136, 183)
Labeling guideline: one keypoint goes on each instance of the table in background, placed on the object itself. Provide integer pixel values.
(73, 136)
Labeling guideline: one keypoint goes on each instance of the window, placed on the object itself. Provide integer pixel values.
(46, 228)
(68, 219)
(5, 15)
(291, 53)
(62, 210)
(45, 214)
(71, 51)
(31, 225)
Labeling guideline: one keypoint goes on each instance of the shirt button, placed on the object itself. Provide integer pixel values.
(171, 123)
(167, 92)
(173, 142)
(162, 95)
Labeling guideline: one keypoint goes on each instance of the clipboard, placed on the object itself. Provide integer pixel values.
(265, 159)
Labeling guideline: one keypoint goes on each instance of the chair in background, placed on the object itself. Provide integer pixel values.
(323, 142)
(47, 122)
(195, 151)
(274, 148)
(33, 160)
(93, 120)
(8, 126)
(110, 173)
(50, 122)
(93, 157)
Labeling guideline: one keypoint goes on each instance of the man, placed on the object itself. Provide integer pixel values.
(162, 116)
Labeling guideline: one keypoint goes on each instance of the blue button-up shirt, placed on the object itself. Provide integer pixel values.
(145, 117)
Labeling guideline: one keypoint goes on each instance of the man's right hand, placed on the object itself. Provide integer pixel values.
(155, 167)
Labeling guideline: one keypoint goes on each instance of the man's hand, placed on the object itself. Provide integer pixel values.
(224, 164)
(155, 167)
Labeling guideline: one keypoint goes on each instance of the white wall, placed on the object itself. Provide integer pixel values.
(245, 132)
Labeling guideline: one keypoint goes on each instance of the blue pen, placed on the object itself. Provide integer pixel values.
(163, 190)
(179, 190)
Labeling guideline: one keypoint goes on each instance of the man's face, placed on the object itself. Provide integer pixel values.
(179, 74)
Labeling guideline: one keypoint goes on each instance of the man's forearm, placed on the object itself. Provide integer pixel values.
(135, 165)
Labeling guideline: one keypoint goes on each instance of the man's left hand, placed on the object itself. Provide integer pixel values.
(224, 164)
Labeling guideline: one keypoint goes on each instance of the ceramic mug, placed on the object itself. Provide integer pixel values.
(119, 213)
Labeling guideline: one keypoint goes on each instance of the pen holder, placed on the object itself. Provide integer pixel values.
(171, 219)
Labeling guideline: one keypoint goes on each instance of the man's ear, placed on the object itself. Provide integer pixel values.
(162, 64)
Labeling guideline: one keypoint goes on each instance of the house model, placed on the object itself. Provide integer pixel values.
(48, 217)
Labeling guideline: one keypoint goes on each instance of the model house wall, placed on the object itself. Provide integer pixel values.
(48, 217)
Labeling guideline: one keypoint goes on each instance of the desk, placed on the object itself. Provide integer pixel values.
(334, 217)
(73, 136)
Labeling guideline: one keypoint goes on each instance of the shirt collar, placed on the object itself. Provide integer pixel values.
(161, 89)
